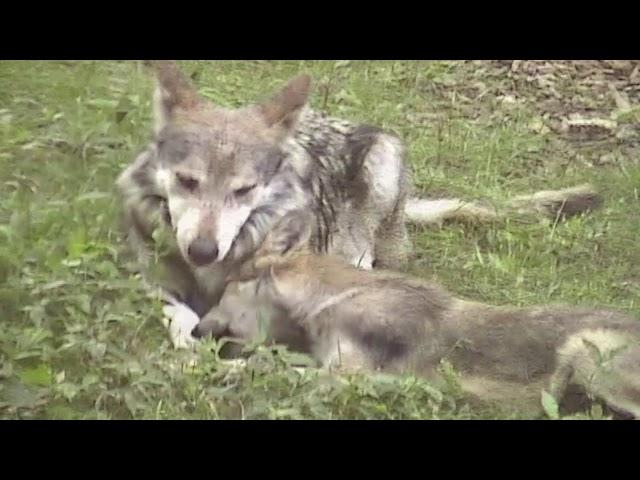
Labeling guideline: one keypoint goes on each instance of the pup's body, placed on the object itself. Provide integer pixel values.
(378, 320)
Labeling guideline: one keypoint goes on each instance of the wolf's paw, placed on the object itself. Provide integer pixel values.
(180, 320)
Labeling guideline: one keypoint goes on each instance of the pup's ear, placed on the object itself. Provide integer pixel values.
(290, 234)
(282, 112)
(174, 92)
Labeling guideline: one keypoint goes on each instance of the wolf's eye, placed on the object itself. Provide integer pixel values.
(187, 182)
(241, 192)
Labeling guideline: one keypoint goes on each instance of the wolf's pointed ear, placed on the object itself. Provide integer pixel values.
(290, 234)
(174, 91)
(282, 111)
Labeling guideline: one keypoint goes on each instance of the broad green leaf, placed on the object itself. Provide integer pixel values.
(550, 406)
(40, 375)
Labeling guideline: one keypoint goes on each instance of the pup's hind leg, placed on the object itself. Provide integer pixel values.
(561, 378)
(340, 354)
(606, 363)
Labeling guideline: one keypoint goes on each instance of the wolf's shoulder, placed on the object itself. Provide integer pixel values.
(324, 136)
(318, 128)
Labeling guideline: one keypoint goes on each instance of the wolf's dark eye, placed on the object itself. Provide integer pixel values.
(241, 192)
(187, 182)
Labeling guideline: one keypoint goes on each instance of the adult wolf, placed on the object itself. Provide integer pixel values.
(219, 179)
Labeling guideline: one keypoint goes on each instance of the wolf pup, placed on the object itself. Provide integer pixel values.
(217, 180)
(352, 319)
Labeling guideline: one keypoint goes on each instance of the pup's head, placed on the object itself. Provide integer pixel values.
(285, 243)
(224, 172)
(252, 294)
(252, 300)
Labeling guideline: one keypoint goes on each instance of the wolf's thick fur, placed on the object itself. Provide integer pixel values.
(353, 319)
(219, 179)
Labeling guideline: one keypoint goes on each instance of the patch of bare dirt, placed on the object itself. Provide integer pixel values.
(589, 109)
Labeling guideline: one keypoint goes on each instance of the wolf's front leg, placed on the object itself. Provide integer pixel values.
(180, 321)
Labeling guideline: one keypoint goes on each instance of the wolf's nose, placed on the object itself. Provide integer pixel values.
(203, 252)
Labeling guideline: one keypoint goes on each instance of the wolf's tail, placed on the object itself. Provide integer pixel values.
(554, 204)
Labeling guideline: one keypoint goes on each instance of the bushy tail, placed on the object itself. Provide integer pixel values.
(554, 204)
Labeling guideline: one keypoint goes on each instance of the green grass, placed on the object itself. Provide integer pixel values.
(79, 339)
